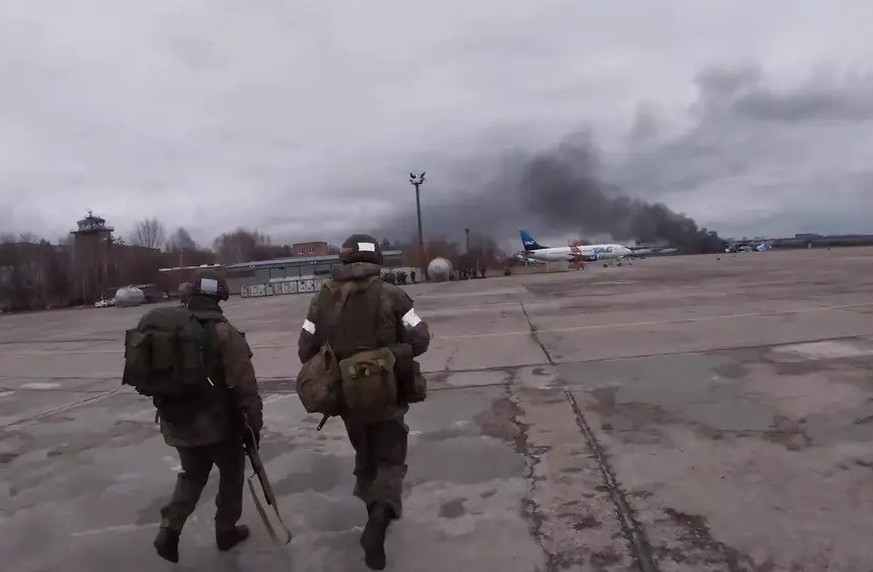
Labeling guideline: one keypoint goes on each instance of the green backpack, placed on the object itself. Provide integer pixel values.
(363, 384)
(169, 353)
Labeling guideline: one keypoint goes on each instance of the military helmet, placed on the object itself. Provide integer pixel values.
(185, 289)
(360, 248)
(206, 282)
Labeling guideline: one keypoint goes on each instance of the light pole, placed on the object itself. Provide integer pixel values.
(417, 182)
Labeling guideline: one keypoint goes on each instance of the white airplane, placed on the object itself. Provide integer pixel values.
(763, 247)
(587, 253)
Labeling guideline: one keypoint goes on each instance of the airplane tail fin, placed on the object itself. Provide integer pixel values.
(528, 241)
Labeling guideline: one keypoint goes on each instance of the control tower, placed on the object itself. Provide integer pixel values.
(92, 257)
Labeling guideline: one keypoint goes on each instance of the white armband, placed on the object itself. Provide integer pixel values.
(309, 326)
(410, 319)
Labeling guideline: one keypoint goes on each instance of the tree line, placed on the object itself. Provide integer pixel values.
(37, 274)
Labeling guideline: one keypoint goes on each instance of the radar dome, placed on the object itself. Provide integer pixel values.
(129, 296)
(439, 269)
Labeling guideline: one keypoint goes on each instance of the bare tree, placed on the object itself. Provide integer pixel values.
(242, 245)
(33, 273)
(180, 241)
(149, 233)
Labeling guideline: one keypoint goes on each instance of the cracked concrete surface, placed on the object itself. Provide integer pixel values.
(729, 400)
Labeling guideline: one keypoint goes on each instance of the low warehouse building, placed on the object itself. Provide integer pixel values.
(292, 275)
(298, 274)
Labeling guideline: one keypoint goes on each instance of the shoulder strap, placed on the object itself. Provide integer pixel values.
(345, 290)
(210, 356)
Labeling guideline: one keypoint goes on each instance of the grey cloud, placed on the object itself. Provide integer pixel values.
(302, 119)
(799, 175)
(742, 91)
(812, 103)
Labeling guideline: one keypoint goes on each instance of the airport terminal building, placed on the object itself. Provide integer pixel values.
(292, 275)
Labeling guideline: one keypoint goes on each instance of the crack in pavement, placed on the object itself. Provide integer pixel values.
(535, 335)
(639, 544)
(636, 537)
(532, 459)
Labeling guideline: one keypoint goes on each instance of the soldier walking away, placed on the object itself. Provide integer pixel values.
(368, 323)
(203, 398)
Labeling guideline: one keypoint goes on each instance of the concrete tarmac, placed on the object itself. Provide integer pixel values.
(680, 414)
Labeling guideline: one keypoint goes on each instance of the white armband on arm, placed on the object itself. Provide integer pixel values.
(410, 319)
(309, 326)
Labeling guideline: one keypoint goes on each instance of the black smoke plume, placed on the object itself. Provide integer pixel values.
(557, 190)
(561, 187)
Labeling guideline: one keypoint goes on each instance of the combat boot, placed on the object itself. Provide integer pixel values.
(167, 544)
(373, 538)
(227, 539)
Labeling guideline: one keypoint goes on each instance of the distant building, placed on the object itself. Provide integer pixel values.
(265, 271)
(101, 264)
(92, 257)
(653, 244)
(172, 277)
(313, 248)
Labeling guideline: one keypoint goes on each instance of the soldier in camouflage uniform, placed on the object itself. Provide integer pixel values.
(380, 447)
(212, 437)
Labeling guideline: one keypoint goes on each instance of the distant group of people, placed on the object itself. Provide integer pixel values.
(357, 344)
(399, 277)
(467, 274)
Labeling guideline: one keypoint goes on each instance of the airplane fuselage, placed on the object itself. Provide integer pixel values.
(588, 253)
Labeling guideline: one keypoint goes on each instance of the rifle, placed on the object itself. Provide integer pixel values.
(250, 444)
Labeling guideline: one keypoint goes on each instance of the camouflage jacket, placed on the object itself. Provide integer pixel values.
(217, 421)
(398, 326)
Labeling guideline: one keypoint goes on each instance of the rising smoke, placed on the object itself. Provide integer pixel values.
(558, 190)
(561, 187)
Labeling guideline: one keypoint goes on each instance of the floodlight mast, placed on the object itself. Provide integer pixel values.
(417, 182)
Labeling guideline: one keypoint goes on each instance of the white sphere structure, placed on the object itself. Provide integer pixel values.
(129, 296)
(439, 269)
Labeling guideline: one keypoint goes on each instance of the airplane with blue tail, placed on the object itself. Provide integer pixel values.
(586, 253)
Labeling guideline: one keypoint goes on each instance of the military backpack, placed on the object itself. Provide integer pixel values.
(170, 354)
(363, 383)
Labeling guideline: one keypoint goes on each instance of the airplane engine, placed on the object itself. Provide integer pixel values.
(590, 258)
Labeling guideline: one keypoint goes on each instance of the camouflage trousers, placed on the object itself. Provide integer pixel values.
(197, 463)
(380, 461)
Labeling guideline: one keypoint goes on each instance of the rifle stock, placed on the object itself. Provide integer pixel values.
(250, 445)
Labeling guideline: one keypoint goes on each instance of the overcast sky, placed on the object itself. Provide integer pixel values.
(303, 119)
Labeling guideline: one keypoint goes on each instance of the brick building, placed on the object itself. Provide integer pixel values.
(313, 248)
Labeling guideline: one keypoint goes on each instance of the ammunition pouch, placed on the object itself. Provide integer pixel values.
(369, 384)
(319, 384)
